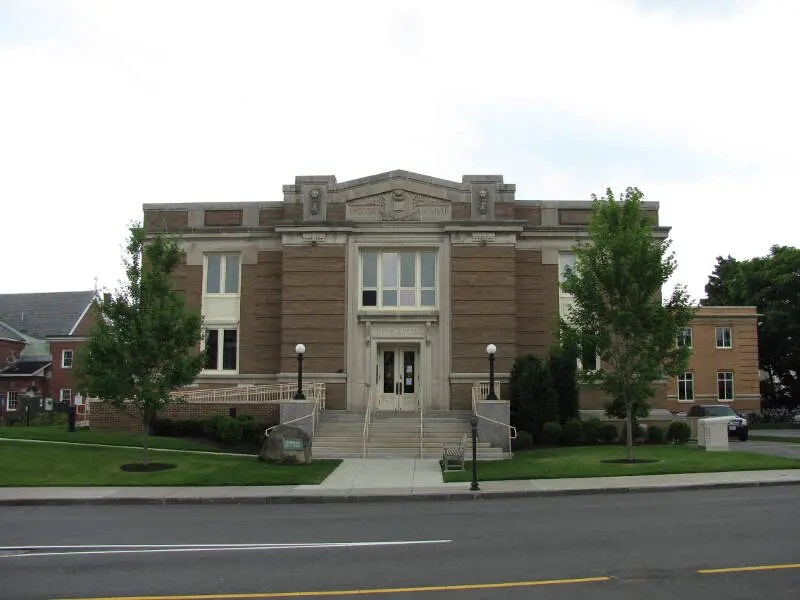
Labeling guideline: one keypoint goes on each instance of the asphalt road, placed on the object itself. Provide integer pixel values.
(784, 449)
(649, 545)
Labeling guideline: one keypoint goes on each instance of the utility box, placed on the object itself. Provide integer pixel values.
(712, 434)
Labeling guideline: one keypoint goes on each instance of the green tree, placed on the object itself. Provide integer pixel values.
(534, 401)
(143, 344)
(564, 373)
(617, 307)
(772, 284)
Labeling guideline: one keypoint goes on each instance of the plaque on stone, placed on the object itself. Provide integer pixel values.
(287, 445)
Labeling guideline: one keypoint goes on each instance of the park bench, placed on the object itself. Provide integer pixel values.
(453, 456)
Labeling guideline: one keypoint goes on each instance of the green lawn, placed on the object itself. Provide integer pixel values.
(554, 463)
(111, 438)
(23, 464)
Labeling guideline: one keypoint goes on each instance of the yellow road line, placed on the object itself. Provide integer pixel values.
(746, 569)
(327, 593)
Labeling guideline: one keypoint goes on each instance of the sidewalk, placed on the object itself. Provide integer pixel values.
(359, 480)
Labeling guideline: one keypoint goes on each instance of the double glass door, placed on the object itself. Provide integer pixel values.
(397, 373)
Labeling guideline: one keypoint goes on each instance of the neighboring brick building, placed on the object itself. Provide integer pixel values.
(39, 334)
(724, 364)
(11, 345)
(395, 283)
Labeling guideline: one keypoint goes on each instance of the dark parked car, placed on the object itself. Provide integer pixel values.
(737, 427)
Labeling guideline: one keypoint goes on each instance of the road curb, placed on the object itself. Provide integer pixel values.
(375, 498)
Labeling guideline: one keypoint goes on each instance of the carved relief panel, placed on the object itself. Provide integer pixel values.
(483, 198)
(315, 204)
(399, 205)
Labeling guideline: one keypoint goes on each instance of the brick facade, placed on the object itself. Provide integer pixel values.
(536, 296)
(301, 274)
(261, 318)
(105, 417)
(312, 308)
(707, 361)
(9, 351)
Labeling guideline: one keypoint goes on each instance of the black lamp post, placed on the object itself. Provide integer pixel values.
(474, 487)
(490, 350)
(300, 349)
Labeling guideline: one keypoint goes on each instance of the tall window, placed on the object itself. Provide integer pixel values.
(398, 280)
(565, 259)
(222, 273)
(588, 361)
(724, 337)
(66, 359)
(686, 386)
(222, 349)
(11, 401)
(66, 395)
(685, 338)
(725, 385)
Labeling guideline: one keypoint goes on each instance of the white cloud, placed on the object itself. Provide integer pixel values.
(106, 105)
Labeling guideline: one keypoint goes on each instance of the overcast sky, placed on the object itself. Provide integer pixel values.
(105, 105)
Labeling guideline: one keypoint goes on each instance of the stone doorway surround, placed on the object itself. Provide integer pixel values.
(423, 329)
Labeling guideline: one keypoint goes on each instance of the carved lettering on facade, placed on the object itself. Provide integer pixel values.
(313, 237)
(483, 237)
(397, 332)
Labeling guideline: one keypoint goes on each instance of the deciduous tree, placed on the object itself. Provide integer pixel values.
(143, 344)
(617, 306)
(772, 284)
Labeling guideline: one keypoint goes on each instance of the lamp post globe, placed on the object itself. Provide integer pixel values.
(491, 349)
(300, 350)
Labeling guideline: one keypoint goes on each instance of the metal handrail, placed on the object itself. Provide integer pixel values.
(421, 429)
(478, 393)
(254, 394)
(365, 430)
(313, 414)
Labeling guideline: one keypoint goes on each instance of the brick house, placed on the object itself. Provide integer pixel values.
(39, 334)
(395, 283)
(724, 364)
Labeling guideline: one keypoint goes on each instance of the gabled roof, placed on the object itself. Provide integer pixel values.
(46, 314)
(8, 333)
(24, 367)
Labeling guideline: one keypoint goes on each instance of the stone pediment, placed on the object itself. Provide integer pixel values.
(399, 205)
(399, 196)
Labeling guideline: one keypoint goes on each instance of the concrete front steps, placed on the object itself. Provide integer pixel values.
(339, 435)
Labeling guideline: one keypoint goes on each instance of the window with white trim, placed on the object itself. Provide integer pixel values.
(685, 338)
(725, 385)
(222, 273)
(565, 259)
(66, 359)
(221, 345)
(686, 387)
(724, 337)
(401, 280)
(66, 395)
(12, 400)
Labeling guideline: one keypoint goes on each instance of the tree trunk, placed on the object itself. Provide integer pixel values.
(145, 439)
(629, 428)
